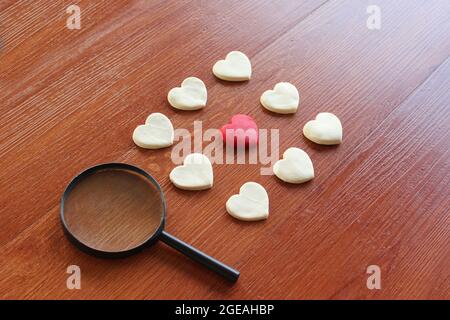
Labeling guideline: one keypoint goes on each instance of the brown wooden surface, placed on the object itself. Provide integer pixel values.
(71, 99)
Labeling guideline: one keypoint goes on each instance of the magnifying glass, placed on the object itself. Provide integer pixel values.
(116, 209)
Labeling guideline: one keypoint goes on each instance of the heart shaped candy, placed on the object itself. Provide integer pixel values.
(157, 132)
(192, 95)
(325, 129)
(196, 173)
(235, 67)
(295, 167)
(251, 204)
(284, 98)
(241, 131)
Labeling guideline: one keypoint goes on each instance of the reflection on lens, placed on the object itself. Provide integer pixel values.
(113, 210)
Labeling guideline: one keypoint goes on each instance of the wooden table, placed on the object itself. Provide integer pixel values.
(70, 99)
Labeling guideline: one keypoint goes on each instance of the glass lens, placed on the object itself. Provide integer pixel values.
(113, 210)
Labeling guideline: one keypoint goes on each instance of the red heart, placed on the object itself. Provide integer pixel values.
(242, 128)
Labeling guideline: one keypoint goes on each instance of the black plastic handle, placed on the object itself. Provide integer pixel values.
(225, 271)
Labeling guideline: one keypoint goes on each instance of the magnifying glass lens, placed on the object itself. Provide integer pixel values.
(113, 210)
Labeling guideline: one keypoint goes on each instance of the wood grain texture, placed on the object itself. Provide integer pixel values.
(71, 99)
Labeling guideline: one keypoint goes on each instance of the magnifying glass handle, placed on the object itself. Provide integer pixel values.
(222, 269)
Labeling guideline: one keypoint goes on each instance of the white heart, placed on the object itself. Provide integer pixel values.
(284, 98)
(251, 204)
(157, 132)
(325, 129)
(192, 95)
(235, 67)
(196, 173)
(295, 167)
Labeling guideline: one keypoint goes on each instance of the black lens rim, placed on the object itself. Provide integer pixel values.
(108, 254)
